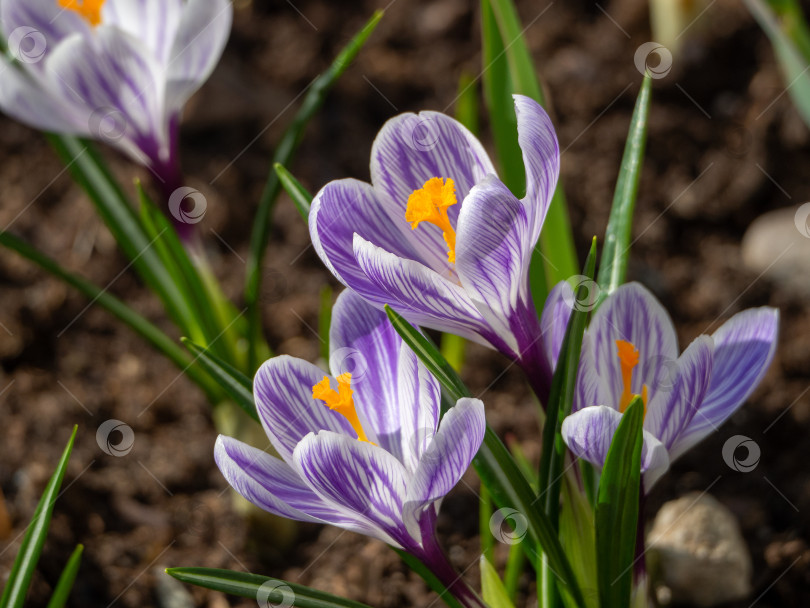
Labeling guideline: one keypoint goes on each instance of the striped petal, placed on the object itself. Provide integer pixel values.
(282, 389)
(43, 17)
(418, 405)
(743, 349)
(201, 37)
(418, 293)
(153, 22)
(358, 477)
(632, 314)
(554, 320)
(492, 257)
(449, 454)
(680, 393)
(589, 432)
(591, 389)
(541, 158)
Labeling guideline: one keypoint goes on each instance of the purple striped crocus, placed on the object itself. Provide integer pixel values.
(115, 70)
(630, 349)
(438, 236)
(362, 449)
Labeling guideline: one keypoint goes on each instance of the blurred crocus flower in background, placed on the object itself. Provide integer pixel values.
(441, 239)
(630, 349)
(363, 450)
(118, 71)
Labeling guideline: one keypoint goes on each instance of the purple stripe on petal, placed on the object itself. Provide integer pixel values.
(153, 22)
(360, 477)
(363, 342)
(418, 293)
(589, 432)
(743, 349)
(590, 389)
(410, 149)
(685, 385)
(493, 254)
(541, 157)
(44, 17)
(417, 403)
(283, 391)
(554, 320)
(632, 314)
(449, 454)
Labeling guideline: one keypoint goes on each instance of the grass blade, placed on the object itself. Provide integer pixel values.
(283, 154)
(267, 591)
(26, 561)
(615, 253)
(492, 587)
(65, 583)
(300, 196)
(617, 509)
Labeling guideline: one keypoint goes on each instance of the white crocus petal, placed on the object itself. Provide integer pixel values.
(153, 22)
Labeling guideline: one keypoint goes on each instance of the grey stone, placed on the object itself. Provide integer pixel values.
(696, 553)
(777, 245)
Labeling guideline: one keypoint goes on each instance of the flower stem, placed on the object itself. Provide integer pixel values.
(434, 558)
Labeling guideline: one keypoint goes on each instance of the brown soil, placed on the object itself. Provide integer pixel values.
(712, 140)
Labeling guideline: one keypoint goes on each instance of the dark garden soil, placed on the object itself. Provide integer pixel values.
(725, 145)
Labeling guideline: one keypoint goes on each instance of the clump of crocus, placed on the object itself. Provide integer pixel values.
(440, 238)
(119, 71)
(363, 449)
(630, 349)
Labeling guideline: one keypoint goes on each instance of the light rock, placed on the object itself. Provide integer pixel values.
(696, 553)
(777, 245)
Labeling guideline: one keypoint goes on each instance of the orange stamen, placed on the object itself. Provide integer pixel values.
(89, 10)
(628, 358)
(340, 400)
(429, 204)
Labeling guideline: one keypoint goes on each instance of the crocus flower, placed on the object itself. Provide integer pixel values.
(115, 70)
(439, 237)
(362, 449)
(631, 349)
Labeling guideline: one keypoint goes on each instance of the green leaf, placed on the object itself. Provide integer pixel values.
(578, 537)
(233, 382)
(265, 590)
(284, 152)
(492, 587)
(300, 196)
(90, 172)
(496, 467)
(431, 579)
(26, 561)
(65, 583)
(561, 398)
(116, 307)
(616, 250)
(556, 241)
(617, 509)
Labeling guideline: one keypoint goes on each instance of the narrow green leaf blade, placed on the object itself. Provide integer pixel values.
(617, 509)
(578, 537)
(616, 251)
(492, 587)
(65, 583)
(300, 196)
(231, 380)
(283, 155)
(26, 561)
(266, 590)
